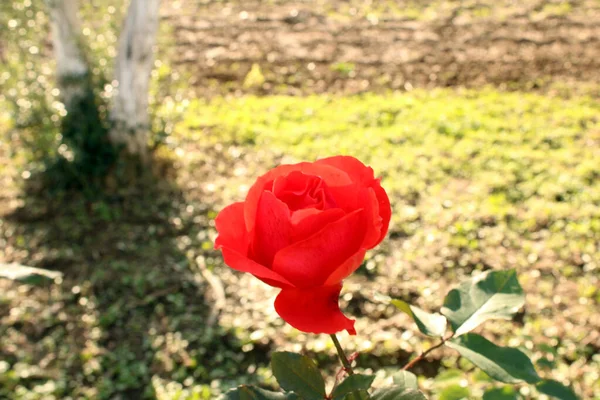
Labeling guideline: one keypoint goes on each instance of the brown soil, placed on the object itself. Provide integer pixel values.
(311, 46)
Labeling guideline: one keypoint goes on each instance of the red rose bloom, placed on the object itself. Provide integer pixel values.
(304, 228)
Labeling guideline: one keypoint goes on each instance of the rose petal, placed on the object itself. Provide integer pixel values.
(355, 196)
(374, 200)
(358, 172)
(331, 175)
(273, 228)
(347, 268)
(309, 263)
(385, 209)
(309, 221)
(233, 242)
(300, 191)
(313, 310)
(370, 203)
(346, 198)
(241, 263)
(231, 228)
(263, 183)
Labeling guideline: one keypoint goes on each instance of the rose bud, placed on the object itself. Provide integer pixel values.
(304, 228)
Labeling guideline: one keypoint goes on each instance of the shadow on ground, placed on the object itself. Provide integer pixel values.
(136, 312)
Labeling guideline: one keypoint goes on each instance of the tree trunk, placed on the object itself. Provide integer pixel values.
(72, 68)
(129, 110)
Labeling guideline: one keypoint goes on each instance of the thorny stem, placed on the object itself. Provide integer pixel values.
(342, 355)
(424, 354)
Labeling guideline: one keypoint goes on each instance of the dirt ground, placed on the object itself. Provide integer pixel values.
(144, 294)
(354, 46)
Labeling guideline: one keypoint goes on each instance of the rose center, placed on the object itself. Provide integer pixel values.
(300, 191)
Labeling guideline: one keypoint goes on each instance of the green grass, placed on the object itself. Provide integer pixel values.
(520, 150)
(478, 179)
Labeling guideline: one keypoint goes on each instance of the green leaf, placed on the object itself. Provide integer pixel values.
(504, 364)
(253, 393)
(491, 295)
(28, 275)
(298, 373)
(397, 393)
(405, 379)
(556, 389)
(352, 383)
(429, 324)
(454, 392)
(503, 393)
(357, 395)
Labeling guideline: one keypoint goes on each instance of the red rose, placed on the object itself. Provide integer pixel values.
(304, 228)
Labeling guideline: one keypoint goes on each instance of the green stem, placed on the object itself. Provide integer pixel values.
(342, 355)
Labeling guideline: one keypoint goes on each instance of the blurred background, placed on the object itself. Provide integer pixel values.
(483, 119)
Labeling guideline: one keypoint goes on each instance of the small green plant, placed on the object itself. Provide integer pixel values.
(487, 296)
(345, 69)
(254, 78)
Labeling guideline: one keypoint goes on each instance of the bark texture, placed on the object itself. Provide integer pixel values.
(71, 65)
(129, 110)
